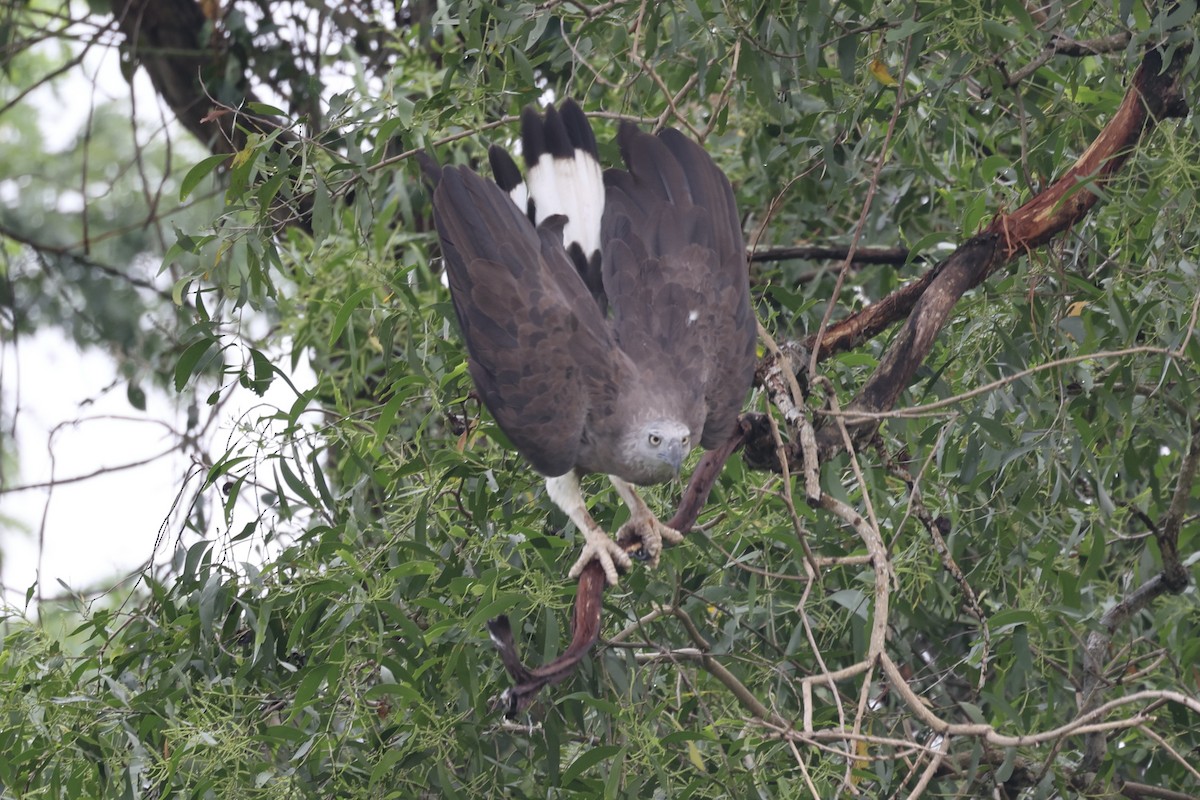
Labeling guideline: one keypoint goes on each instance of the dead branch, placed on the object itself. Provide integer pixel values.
(1154, 94)
(1172, 579)
(1062, 45)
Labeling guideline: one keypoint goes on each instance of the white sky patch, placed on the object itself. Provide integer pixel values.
(87, 531)
(73, 418)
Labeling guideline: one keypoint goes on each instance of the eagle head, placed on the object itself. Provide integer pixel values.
(655, 450)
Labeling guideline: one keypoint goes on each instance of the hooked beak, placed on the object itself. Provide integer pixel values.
(673, 454)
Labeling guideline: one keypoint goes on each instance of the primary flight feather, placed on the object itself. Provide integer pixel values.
(606, 314)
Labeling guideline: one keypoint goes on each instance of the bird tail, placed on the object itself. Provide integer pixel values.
(563, 176)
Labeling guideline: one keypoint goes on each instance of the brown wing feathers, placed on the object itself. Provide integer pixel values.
(526, 335)
(532, 289)
(675, 269)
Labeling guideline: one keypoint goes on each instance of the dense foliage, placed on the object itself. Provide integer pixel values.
(1040, 463)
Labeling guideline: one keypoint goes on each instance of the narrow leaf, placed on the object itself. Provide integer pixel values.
(187, 364)
(347, 309)
(199, 172)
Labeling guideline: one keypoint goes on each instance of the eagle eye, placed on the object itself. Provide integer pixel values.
(655, 439)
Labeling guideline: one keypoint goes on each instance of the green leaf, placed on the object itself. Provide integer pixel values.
(589, 758)
(348, 308)
(223, 467)
(265, 109)
(387, 416)
(1010, 618)
(309, 685)
(295, 484)
(136, 396)
(322, 212)
(616, 773)
(264, 372)
(199, 172)
(1096, 552)
(190, 361)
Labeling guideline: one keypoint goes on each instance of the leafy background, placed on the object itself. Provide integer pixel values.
(350, 659)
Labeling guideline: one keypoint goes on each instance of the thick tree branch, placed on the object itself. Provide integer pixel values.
(164, 37)
(1154, 94)
(849, 333)
(189, 74)
(1061, 45)
(927, 302)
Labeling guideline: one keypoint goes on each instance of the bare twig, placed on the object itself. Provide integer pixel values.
(1061, 45)
(1172, 579)
(857, 255)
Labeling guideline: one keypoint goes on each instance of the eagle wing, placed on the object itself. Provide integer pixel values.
(675, 273)
(541, 355)
(563, 177)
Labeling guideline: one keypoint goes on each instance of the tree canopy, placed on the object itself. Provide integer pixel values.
(951, 551)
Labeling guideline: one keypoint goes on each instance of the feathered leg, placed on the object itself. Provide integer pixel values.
(643, 523)
(564, 491)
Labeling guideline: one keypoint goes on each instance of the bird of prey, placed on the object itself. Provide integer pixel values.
(606, 315)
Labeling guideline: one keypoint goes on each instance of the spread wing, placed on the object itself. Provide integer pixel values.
(540, 351)
(675, 272)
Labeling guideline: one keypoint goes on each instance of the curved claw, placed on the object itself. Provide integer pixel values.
(603, 549)
(651, 534)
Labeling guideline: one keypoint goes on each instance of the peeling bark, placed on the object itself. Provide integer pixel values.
(1154, 94)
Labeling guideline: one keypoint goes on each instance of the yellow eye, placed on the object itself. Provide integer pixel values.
(655, 439)
(686, 440)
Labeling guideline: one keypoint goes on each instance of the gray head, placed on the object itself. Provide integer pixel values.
(656, 449)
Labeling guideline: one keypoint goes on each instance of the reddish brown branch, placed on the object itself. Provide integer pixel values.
(967, 268)
(586, 630)
(849, 333)
(927, 303)
(704, 477)
(589, 594)
(1154, 94)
